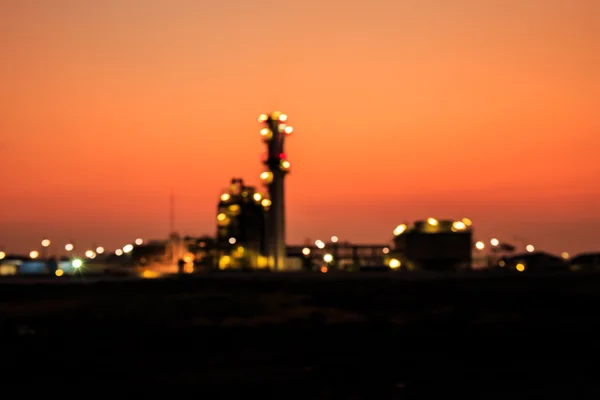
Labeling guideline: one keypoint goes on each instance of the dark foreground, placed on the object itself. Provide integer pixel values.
(315, 337)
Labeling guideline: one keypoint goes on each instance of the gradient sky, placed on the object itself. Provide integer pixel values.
(402, 110)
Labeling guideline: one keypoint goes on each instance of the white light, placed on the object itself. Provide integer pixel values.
(232, 240)
(77, 263)
(530, 248)
(328, 258)
(386, 250)
(127, 248)
(283, 118)
(45, 242)
(494, 242)
(334, 239)
(69, 247)
(319, 244)
(288, 130)
(394, 263)
(34, 254)
(459, 225)
(90, 254)
(479, 245)
(306, 251)
(139, 241)
(100, 250)
(119, 252)
(2, 255)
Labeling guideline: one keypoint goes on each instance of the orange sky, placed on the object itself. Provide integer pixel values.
(402, 110)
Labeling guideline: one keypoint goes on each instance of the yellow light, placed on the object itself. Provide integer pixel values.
(479, 245)
(467, 221)
(262, 118)
(394, 263)
(266, 176)
(234, 209)
(221, 216)
(399, 230)
(224, 262)
(257, 197)
(266, 203)
(148, 274)
(564, 255)
(225, 196)
(520, 267)
(306, 251)
(2, 255)
(285, 164)
(275, 115)
(59, 272)
(34, 254)
(188, 257)
(288, 130)
(45, 243)
(459, 225)
(432, 221)
(266, 133)
(328, 258)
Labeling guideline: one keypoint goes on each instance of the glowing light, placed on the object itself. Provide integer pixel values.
(33, 254)
(262, 118)
(467, 222)
(283, 118)
(324, 269)
(494, 242)
(257, 196)
(266, 203)
(266, 176)
(394, 263)
(285, 164)
(328, 258)
(225, 196)
(77, 263)
(281, 128)
(479, 245)
(432, 221)
(266, 133)
(520, 267)
(320, 244)
(530, 248)
(459, 225)
(221, 217)
(502, 263)
(2, 255)
(188, 257)
(399, 230)
(59, 272)
(127, 248)
(232, 240)
(45, 243)
(99, 250)
(282, 156)
(90, 254)
(288, 130)
(334, 239)
(234, 209)
(564, 255)
(275, 115)
(139, 241)
(306, 251)
(385, 250)
(148, 274)
(119, 252)
(69, 247)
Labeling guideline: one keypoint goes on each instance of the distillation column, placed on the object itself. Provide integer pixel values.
(274, 132)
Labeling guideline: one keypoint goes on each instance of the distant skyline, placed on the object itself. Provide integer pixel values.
(402, 110)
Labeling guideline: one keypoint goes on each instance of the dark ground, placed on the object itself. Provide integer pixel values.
(312, 337)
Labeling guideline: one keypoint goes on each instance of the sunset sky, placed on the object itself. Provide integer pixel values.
(402, 110)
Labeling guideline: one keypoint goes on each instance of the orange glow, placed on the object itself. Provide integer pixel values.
(401, 111)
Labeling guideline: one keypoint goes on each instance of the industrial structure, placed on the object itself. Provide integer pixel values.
(274, 132)
(442, 245)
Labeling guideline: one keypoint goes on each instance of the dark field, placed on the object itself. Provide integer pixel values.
(314, 337)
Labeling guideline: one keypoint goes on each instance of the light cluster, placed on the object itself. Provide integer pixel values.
(273, 132)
